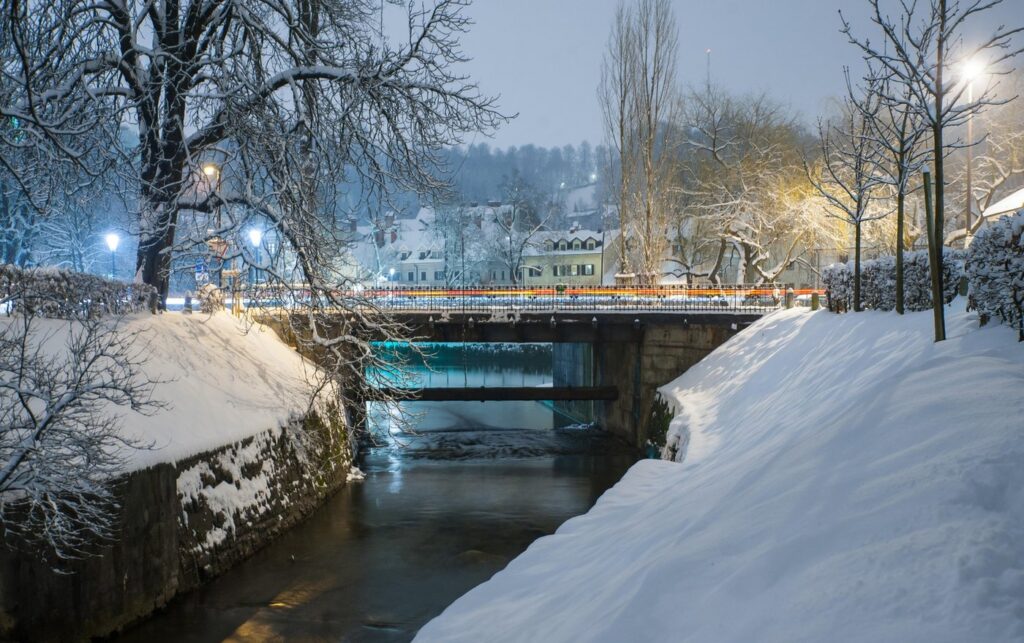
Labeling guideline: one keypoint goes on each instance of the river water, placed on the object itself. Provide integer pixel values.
(443, 507)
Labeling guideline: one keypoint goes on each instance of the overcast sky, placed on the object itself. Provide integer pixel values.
(544, 56)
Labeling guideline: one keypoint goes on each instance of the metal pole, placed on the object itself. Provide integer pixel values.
(113, 263)
(970, 163)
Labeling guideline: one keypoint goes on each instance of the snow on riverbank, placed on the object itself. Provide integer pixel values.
(222, 382)
(845, 479)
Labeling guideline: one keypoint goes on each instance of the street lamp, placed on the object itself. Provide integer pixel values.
(113, 240)
(970, 70)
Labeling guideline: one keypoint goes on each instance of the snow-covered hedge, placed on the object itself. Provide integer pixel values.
(64, 294)
(995, 271)
(878, 281)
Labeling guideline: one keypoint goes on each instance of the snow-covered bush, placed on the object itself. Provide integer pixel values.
(878, 281)
(995, 271)
(211, 299)
(64, 294)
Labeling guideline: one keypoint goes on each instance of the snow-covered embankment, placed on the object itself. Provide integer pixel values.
(842, 478)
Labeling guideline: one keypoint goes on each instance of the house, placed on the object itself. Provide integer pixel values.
(1008, 205)
(573, 257)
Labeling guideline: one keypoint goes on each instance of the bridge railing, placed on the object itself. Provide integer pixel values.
(661, 298)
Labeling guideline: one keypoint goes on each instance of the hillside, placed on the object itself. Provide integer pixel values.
(843, 478)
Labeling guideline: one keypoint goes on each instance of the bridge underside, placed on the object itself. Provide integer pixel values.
(575, 327)
(506, 393)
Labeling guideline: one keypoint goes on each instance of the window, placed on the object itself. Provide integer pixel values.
(438, 275)
(588, 269)
(576, 245)
(591, 244)
(423, 255)
(404, 256)
(503, 275)
(562, 245)
(412, 276)
(575, 270)
(423, 276)
(549, 245)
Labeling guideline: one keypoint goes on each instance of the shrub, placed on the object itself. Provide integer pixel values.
(63, 294)
(878, 281)
(995, 271)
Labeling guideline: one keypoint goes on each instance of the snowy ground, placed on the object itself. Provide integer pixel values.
(222, 379)
(844, 479)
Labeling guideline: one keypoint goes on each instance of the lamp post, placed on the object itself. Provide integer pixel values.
(217, 245)
(113, 240)
(971, 70)
(256, 238)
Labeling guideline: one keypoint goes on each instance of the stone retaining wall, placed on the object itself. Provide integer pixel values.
(181, 524)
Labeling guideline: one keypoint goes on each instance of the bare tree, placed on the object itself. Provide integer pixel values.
(656, 100)
(615, 94)
(849, 172)
(516, 225)
(61, 447)
(745, 179)
(220, 81)
(999, 159)
(899, 131)
(918, 52)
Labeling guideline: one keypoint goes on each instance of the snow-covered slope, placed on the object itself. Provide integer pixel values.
(221, 379)
(846, 479)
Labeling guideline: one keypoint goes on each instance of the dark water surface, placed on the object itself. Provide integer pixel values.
(432, 519)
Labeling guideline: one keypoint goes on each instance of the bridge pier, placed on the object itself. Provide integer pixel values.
(661, 353)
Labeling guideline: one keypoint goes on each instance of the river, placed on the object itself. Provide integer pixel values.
(441, 510)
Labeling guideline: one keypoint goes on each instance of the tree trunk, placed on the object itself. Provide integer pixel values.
(936, 269)
(940, 198)
(856, 267)
(900, 205)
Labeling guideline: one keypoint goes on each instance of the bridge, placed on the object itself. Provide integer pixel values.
(613, 345)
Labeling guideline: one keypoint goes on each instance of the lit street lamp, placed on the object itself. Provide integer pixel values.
(971, 70)
(113, 240)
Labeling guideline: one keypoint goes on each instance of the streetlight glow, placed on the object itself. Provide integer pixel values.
(210, 170)
(255, 236)
(113, 240)
(971, 69)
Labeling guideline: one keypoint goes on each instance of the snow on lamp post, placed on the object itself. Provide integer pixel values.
(256, 238)
(970, 71)
(113, 240)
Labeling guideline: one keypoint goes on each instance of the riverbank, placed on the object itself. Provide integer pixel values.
(840, 478)
(236, 457)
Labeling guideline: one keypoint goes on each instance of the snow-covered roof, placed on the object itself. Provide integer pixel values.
(1012, 203)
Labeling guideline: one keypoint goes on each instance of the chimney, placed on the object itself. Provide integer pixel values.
(378, 238)
(394, 235)
(389, 220)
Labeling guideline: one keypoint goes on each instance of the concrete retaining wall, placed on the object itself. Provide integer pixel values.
(181, 524)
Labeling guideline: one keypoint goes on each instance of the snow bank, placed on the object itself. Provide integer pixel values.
(222, 382)
(845, 479)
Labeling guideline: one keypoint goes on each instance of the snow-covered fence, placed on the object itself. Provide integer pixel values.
(64, 294)
(878, 281)
(995, 271)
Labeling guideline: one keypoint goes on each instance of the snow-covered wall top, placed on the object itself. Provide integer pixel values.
(845, 479)
(221, 379)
